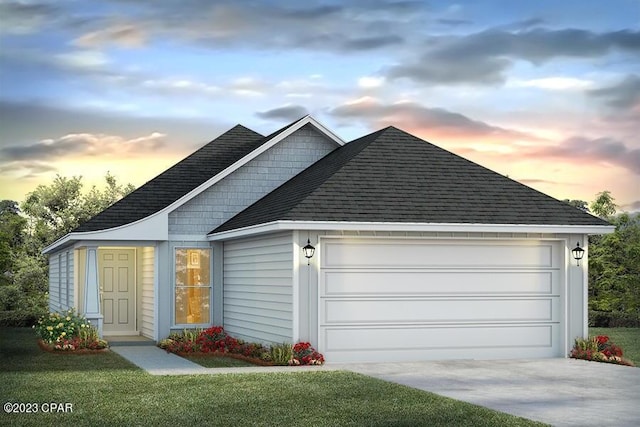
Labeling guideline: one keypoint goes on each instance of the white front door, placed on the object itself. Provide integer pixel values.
(117, 282)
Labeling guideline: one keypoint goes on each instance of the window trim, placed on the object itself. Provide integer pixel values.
(174, 287)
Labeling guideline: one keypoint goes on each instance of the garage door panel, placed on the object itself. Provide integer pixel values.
(455, 310)
(398, 282)
(429, 342)
(437, 254)
(386, 299)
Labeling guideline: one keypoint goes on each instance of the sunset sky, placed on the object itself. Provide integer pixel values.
(546, 92)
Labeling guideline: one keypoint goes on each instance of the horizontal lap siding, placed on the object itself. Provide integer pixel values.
(54, 282)
(71, 280)
(258, 288)
(148, 261)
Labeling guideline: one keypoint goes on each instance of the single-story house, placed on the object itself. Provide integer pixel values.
(419, 253)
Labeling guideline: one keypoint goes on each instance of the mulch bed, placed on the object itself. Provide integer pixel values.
(51, 349)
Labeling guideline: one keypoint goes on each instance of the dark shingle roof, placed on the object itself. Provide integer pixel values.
(178, 180)
(392, 176)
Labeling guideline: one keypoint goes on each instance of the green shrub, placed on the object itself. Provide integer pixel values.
(18, 318)
(59, 326)
(281, 354)
(613, 319)
(10, 298)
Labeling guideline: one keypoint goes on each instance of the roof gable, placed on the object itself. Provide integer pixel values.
(194, 174)
(392, 176)
(178, 180)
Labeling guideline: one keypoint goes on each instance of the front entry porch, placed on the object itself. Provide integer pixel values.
(116, 289)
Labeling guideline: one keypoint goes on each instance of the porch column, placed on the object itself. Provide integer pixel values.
(92, 290)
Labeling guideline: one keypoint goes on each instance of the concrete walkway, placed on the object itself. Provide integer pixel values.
(158, 362)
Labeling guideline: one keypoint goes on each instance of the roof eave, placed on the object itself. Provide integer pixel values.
(407, 227)
(152, 228)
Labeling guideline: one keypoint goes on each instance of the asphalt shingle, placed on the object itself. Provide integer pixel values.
(392, 176)
(178, 180)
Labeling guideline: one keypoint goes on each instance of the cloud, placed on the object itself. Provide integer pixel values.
(285, 113)
(26, 169)
(594, 150)
(83, 144)
(484, 57)
(632, 207)
(354, 27)
(454, 22)
(554, 83)
(621, 95)
(123, 35)
(369, 82)
(369, 43)
(19, 17)
(414, 117)
(82, 60)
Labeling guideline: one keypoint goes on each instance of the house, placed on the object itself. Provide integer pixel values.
(419, 253)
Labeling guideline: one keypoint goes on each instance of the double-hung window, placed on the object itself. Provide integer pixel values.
(193, 286)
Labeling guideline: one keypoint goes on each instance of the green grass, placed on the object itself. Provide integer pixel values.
(106, 390)
(627, 338)
(218, 362)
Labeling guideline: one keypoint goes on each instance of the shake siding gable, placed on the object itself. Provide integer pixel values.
(251, 182)
(258, 288)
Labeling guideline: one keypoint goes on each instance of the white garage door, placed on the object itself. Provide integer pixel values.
(416, 299)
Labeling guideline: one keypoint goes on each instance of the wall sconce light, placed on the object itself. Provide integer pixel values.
(578, 253)
(308, 251)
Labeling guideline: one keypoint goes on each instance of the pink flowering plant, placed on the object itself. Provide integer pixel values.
(599, 349)
(304, 354)
(216, 341)
(68, 331)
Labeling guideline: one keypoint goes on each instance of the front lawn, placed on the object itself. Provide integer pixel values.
(627, 338)
(104, 389)
(209, 361)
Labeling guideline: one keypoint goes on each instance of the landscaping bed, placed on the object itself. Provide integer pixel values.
(599, 348)
(627, 338)
(214, 342)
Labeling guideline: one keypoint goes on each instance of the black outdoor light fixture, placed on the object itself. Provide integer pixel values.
(308, 251)
(578, 253)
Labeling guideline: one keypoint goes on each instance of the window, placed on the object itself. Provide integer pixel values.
(193, 286)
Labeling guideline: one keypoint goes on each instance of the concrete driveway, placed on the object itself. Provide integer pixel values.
(561, 392)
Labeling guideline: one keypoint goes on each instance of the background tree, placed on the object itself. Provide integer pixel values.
(604, 205)
(12, 236)
(614, 267)
(50, 212)
(580, 204)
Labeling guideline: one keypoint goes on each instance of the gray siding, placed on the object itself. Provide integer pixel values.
(251, 182)
(147, 292)
(61, 278)
(71, 279)
(258, 288)
(54, 282)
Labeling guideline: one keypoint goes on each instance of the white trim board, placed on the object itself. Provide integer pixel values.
(407, 227)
